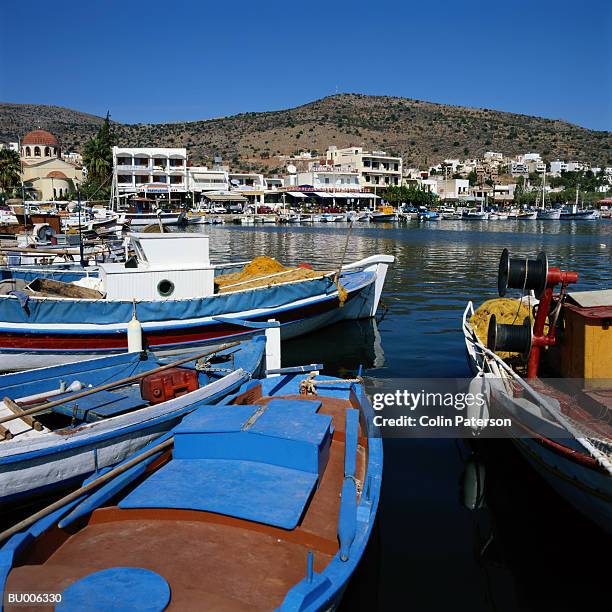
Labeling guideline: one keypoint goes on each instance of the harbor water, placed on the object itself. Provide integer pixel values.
(443, 541)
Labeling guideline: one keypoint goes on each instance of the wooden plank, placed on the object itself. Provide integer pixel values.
(17, 410)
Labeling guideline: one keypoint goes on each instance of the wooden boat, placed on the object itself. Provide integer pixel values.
(561, 426)
(265, 503)
(78, 428)
(171, 285)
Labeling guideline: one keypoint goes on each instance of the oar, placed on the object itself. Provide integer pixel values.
(84, 489)
(116, 383)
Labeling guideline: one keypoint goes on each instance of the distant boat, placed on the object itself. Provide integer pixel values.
(473, 214)
(498, 216)
(578, 214)
(549, 214)
(527, 215)
(383, 214)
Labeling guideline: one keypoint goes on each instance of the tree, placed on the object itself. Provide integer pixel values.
(98, 159)
(472, 177)
(10, 169)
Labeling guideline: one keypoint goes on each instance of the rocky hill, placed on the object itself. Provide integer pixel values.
(422, 132)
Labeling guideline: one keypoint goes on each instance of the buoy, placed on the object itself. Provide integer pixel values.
(478, 385)
(473, 484)
(134, 333)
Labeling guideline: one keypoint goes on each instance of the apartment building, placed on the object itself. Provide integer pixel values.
(558, 166)
(453, 189)
(202, 179)
(150, 170)
(486, 172)
(330, 177)
(376, 169)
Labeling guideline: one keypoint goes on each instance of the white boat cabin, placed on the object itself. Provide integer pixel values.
(166, 267)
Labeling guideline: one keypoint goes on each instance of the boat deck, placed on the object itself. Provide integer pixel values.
(211, 561)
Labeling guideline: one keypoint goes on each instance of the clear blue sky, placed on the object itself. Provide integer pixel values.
(172, 60)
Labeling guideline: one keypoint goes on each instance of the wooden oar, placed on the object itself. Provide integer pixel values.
(116, 383)
(81, 491)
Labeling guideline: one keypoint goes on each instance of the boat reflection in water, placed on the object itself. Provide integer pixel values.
(348, 345)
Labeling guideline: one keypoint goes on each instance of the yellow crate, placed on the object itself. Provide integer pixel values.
(586, 347)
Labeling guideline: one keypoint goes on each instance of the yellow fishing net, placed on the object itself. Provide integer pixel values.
(506, 310)
(262, 272)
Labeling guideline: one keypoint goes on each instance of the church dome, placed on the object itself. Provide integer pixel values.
(40, 137)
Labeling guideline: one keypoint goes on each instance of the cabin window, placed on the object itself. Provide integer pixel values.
(165, 288)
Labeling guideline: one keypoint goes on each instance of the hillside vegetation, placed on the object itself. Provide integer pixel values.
(424, 133)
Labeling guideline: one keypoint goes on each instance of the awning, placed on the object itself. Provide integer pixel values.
(296, 194)
(365, 194)
(224, 197)
(323, 194)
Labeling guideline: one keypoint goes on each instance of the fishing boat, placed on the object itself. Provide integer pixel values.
(143, 211)
(560, 405)
(475, 214)
(527, 215)
(176, 294)
(353, 216)
(331, 218)
(384, 214)
(59, 424)
(496, 215)
(449, 213)
(428, 215)
(263, 502)
(573, 213)
(549, 214)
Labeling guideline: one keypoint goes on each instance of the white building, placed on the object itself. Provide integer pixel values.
(150, 170)
(338, 178)
(274, 183)
(558, 166)
(493, 156)
(518, 169)
(202, 179)
(375, 168)
(12, 146)
(453, 189)
(576, 166)
(527, 157)
(536, 165)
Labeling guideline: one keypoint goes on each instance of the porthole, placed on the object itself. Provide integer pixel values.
(165, 288)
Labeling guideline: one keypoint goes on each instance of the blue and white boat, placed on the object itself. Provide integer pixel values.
(263, 502)
(79, 430)
(170, 285)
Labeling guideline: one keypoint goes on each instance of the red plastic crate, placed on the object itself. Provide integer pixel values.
(169, 384)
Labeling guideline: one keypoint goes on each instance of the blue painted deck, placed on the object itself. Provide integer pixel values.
(259, 463)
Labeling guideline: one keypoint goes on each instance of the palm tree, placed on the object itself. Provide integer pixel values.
(10, 169)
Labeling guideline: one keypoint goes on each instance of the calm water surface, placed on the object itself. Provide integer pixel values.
(524, 548)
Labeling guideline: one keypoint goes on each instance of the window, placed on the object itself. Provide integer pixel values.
(165, 288)
(47, 152)
(28, 152)
(36, 151)
(367, 178)
(176, 180)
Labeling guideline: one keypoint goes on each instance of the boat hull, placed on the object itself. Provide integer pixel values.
(570, 472)
(48, 461)
(26, 345)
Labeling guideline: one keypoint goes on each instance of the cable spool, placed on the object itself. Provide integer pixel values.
(527, 274)
(509, 338)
